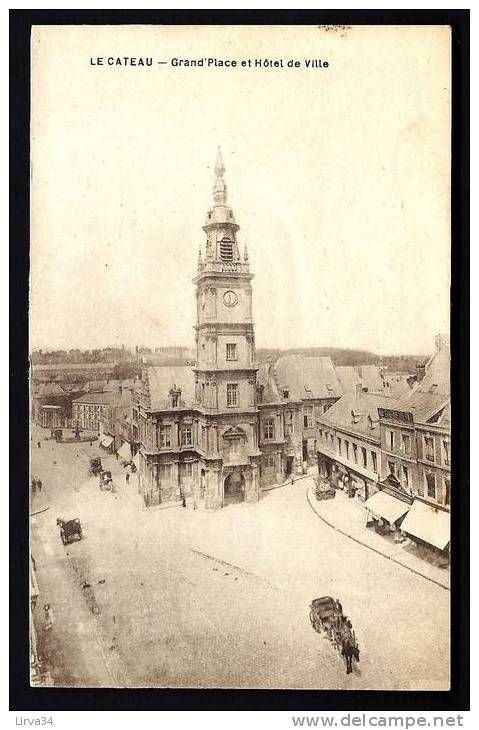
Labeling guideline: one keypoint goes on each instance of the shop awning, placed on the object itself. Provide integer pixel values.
(387, 507)
(106, 441)
(427, 523)
(124, 452)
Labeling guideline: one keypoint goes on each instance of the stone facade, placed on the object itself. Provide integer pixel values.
(198, 428)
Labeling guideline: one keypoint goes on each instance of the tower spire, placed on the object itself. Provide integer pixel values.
(219, 188)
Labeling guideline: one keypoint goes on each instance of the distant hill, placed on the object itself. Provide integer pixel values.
(341, 356)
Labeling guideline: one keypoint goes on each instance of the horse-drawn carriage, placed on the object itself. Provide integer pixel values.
(70, 530)
(326, 614)
(323, 489)
(95, 466)
(106, 481)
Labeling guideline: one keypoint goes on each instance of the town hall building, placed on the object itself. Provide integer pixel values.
(198, 427)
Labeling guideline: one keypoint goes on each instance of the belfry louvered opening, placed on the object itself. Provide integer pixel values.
(226, 249)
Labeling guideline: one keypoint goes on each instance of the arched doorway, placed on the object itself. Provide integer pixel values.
(234, 488)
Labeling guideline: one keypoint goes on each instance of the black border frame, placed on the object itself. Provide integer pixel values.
(22, 696)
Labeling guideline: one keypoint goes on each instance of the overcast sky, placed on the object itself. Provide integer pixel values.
(338, 177)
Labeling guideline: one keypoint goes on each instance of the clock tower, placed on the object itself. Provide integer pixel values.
(226, 367)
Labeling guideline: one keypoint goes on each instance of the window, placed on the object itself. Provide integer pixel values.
(445, 452)
(268, 461)
(186, 435)
(429, 448)
(286, 394)
(203, 436)
(405, 476)
(365, 456)
(447, 491)
(390, 436)
(268, 429)
(175, 400)
(165, 437)
(431, 485)
(374, 460)
(188, 469)
(339, 446)
(355, 453)
(308, 416)
(320, 433)
(289, 425)
(391, 467)
(346, 446)
(231, 351)
(231, 394)
(406, 443)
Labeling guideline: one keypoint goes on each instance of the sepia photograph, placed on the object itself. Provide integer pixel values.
(239, 357)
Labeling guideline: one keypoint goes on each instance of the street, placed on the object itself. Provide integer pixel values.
(182, 598)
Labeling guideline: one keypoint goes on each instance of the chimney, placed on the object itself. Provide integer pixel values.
(420, 371)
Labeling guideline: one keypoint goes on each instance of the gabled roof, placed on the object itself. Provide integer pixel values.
(348, 377)
(429, 400)
(364, 406)
(307, 377)
(160, 380)
(49, 389)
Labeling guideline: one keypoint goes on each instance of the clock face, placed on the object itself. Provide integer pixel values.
(230, 298)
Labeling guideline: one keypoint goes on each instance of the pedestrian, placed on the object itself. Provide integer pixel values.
(39, 444)
(116, 455)
(127, 476)
(91, 444)
(34, 485)
(48, 617)
(39, 485)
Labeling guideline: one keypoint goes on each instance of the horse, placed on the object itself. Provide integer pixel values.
(348, 645)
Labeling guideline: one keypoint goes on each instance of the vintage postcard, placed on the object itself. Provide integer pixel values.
(240, 453)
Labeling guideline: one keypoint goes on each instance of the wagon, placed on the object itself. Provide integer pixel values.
(324, 614)
(95, 466)
(106, 481)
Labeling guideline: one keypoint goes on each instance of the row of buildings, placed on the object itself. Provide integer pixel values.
(225, 427)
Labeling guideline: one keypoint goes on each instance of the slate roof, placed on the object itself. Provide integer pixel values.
(348, 377)
(160, 380)
(371, 378)
(363, 405)
(266, 379)
(108, 398)
(429, 400)
(307, 377)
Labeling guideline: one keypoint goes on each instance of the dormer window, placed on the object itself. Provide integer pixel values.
(356, 416)
(174, 397)
(226, 249)
(433, 388)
